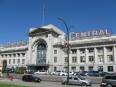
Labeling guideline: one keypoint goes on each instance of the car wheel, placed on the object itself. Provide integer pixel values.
(109, 85)
(83, 84)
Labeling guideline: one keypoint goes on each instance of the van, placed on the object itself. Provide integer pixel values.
(109, 80)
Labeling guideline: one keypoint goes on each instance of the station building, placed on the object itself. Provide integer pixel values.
(47, 50)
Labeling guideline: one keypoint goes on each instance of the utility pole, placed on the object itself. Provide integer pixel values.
(68, 48)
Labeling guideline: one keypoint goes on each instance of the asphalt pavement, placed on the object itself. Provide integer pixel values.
(41, 84)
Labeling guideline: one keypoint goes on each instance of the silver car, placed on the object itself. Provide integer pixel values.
(75, 80)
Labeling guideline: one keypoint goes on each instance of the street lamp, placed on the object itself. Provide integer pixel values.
(68, 49)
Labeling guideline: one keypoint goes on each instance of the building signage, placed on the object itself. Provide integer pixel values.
(89, 34)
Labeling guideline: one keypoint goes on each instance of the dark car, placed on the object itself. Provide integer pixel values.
(31, 78)
(109, 80)
(92, 73)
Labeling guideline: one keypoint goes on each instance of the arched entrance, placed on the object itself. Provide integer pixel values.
(41, 56)
(4, 65)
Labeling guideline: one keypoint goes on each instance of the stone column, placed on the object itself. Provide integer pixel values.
(78, 60)
(95, 58)
(105, 59)
(86, 59)
(114, 54)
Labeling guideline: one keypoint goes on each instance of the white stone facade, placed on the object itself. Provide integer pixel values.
(46, 50)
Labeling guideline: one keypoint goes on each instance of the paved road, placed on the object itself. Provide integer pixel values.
(41, 84)
(55, 78)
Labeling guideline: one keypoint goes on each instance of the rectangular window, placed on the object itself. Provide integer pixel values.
(74, 59)
(100, 50)
(82, 51)
(55, 51)
(23, 54)
(110, 69)
(18, 61)
(13, 61)
(14, 55)
(109, 49)
(23, 61)
(9, 61)
(82, 59)
(73, 68)
(74, 51)
(9, 55)
(100, 68)
(66, 59)
(55, 59)
(90, 68)
(91, 58)
(90, 50)
(55, 68)
(100, 58)
(2, 55)
(18, 54)
(110, 58)
(82, 68)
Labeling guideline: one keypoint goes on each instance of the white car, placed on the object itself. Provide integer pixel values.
(41, 72)
(63, 74)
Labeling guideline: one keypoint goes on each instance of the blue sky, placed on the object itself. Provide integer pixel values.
(17, 16)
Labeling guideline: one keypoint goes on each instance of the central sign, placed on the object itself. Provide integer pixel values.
(89, 34)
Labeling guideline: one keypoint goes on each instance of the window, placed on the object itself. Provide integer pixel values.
(100, 50)
(73, 68)
(82, 68)
(66, 69)
(9, 61)
(110, 68)
(14, 55)
(2, 55)
(23, 54)
(5, 55)
(82, 59)
(66, 59)
(74, 51)
(18, 61)
(13, 61)
(109, 49)
(90, 68)
(110, 58)
(70, 77)
(9, 55)
(23, 61)
(18, 54)
(82, 51)
(100, 58)
(55, 59)
(55, 51)
(75, 78)
(90, 50)
(100, 68)
(55, 68)
(74, 59)
(91, 58)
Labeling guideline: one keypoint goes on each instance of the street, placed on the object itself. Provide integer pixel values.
(41, 84)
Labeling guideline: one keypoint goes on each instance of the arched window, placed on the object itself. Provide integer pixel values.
(41, 54)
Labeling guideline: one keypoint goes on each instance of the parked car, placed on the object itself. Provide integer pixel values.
(92, 73)
(62, 73)
(109, 80)
(41, 72)
(31, 78)
(75, 80)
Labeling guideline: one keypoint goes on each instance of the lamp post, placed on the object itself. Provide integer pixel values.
(68, 49)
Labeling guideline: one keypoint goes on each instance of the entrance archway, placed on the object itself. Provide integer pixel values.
(4, 65)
